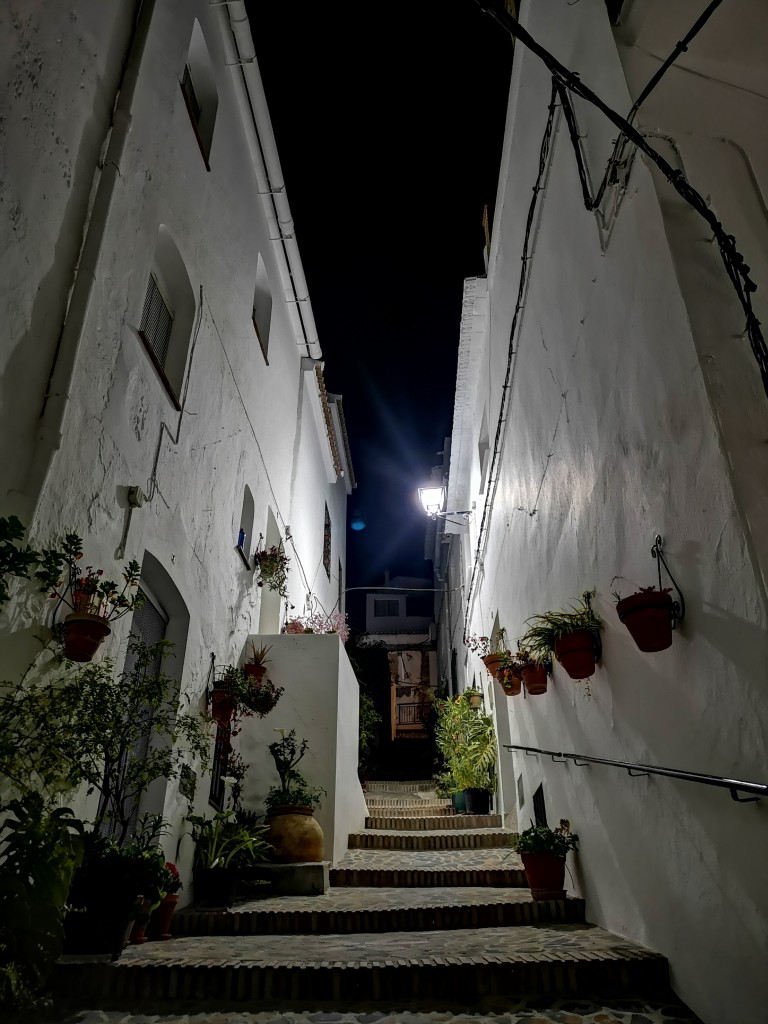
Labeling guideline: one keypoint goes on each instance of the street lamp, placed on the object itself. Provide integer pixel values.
(432, 498)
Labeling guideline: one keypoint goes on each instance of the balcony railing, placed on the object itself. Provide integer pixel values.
(735, 786)
(412, 714)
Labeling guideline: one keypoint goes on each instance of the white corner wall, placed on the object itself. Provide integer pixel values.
(321, 703)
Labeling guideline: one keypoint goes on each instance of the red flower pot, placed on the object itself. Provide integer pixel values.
(83, 635)
(576, 653)
(222, 705)
(535, 679)
(159, 926)
(545, 875)
(510, 684)
(137, 936)
(255, 671)
(648, 617)
(493, 662)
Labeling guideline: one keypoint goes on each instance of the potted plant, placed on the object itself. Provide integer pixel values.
(491, 650)
(256, 665)
(649, 615)
(222, 848)
(572, 637)
(318, 622)
(272, 566)
(147, 864)
(293, 831)
(533, 674)
(474, 696)
(159, 926)
(467, 741)
(510, 674)
(228, 695)
(94, 602)
(543, 851)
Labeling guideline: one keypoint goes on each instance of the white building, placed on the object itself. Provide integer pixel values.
(623, 401)
(158, 333)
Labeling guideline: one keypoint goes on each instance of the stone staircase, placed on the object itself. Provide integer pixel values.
(418, 917)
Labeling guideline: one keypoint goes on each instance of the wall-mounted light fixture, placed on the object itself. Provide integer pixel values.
(357, 521)
(432, 498)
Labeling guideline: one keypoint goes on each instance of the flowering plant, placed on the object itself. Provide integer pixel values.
(85, 592)
(318, 622)
(485, 645)
(173, 879)
(272, 566)
(540, 839)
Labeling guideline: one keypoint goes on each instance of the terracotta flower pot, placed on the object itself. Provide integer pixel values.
(511, 684)
(576, 653)
(475, 700)
(493, 662)
(255, 671)
(83, 635)
(159, 926)
(222, 705)
(138, 936)
(648, 617)
(295, 835)
(545, 875)
(535, 679)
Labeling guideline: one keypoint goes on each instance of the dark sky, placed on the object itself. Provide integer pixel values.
(389, 121)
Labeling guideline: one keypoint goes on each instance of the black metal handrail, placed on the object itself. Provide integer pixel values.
(736, 786)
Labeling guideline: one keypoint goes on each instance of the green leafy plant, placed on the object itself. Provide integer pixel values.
(40, 848)
(258, 655)
(16, 560)
(467, 741)
(294, 790)
(370, 720)
(114, 731)
(85, 591)
(272, 566)
(485, 645)
(545, 630)
(223, 842)
(541, 839)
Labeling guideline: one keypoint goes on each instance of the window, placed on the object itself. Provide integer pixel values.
(483, 450)
(198, 87)
(221, 751)
(327, 543)
(385, 606)
(245, 533)
(520, 791)
(156, 321)
(167, 315)
(262, 306)
(539, 808)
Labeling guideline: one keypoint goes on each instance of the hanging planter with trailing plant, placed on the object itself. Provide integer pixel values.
(94, 602)
(492, 650)
(649, 616)
(535, 676)
(572, 637)
(272, 566)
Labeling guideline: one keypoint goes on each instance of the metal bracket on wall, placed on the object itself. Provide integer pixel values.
(743, 799)
(636, 775)
(678, 607)
(557, 760)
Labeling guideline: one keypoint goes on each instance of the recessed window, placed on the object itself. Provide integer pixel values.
(167, 314)
(262, 306)
(385, 607)
(539, 807)
(245, 533)
(198, 87)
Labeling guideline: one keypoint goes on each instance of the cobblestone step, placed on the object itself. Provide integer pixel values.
(456, 821)
(394, 788)
(430, 878)
(403, 810)
(445, 968)
(347, 911)
(442, 840)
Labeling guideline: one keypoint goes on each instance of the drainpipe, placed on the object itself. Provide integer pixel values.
(56, 398)
(241, 57)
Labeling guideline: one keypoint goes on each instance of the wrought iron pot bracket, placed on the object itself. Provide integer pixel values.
(678, 607)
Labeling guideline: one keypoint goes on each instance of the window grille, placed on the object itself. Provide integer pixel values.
(156, 321)
(520, 791)
(221, 752)
(539, 808)
(188, 88)
(327, 543)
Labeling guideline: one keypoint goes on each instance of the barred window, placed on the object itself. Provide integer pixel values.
(386, 607)
(188, 88)
(327, 543)
(156, 321)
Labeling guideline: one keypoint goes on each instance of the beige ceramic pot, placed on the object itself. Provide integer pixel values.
(295, 835)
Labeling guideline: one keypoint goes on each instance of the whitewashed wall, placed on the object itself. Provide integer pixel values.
(321, 702)
(243, 422)
(616, 432)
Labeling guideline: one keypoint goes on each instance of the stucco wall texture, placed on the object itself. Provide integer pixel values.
(112, 423)
(636, 408)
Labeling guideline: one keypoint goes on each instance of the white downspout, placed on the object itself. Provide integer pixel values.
(241, 57)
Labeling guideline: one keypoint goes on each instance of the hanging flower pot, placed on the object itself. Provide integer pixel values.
(475, 698)
(535, 679)
(255, 671)
(83, 635)
(648, 616)
(223, 705)
(576, 653)
(511, 681)
(493, 662)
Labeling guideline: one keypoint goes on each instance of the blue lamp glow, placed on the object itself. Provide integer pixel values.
(357, 521)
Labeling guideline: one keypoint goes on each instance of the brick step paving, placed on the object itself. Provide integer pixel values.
(398, 788)
(446, 968)
(440, 840)
(429, 868)
(456, 821)
(408, 800)
(344, 911)
(403, 810)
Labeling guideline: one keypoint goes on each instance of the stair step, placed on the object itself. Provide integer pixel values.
(427, 878)
(487, 839)
(413, 800)
(422, 786)
(445, 968)
(420, 810)
(346, 911)
(457, 821)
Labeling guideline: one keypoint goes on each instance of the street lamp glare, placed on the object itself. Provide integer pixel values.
(432, 498)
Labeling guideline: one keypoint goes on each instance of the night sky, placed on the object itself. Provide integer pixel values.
(389, 121)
